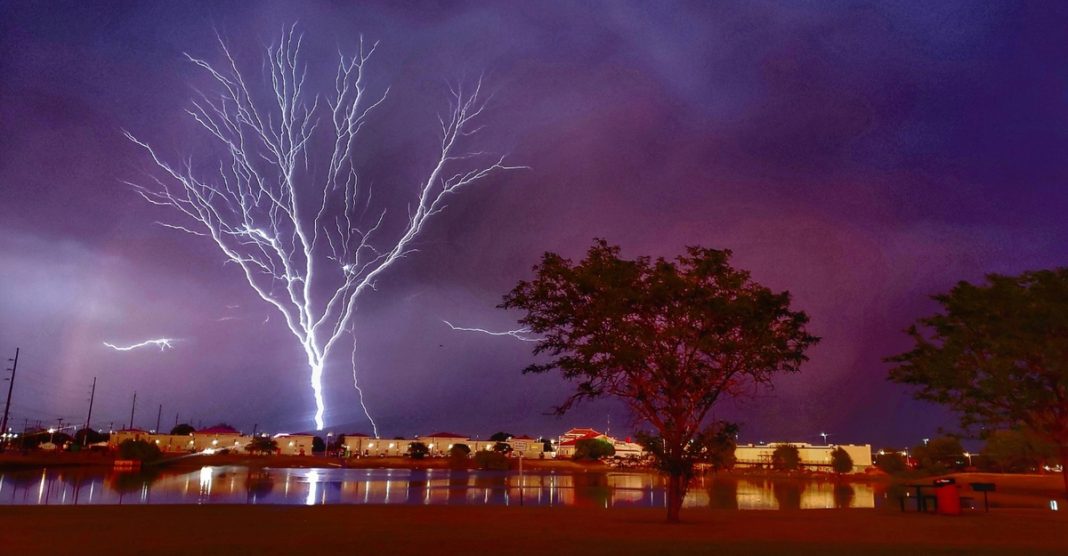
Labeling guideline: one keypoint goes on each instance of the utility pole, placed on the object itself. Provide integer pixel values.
(10, 387)
(158, 415)
(176, 419)
(89, 416)
(133, 406)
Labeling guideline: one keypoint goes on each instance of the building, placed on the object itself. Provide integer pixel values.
(295, 444)
(361, 445)
(814, 458)
(219, 437)
(569, 440)
(440, 443)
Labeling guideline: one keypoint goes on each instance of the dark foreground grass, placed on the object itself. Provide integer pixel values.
(202, 530)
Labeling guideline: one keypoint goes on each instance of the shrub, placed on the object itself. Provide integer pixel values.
(139, 450)
(485, 459)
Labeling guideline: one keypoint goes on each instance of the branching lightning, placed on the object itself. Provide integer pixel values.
(163, 343)
(303, 232)
(520, 334)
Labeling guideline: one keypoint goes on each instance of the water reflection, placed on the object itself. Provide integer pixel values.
(240, 485)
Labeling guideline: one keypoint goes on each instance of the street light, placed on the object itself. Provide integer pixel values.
(824, 435)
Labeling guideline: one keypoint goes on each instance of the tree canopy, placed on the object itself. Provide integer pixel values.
(997, 354)
(786, 457)
(183, 428)
(262, 445)
(939, 455)
(1016, 451)
(668, 337)
(418, 450)
(593, 449)
(841, 461)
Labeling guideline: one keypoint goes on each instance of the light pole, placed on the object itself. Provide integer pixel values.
(825, 435)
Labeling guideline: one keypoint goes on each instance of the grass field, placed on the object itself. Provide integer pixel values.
(205, 530)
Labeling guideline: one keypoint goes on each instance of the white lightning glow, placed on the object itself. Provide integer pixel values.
(356, 385)
(162, 343)
(520, 334)
(297, 220)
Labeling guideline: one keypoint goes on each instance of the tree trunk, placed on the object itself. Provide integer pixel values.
(676, 491)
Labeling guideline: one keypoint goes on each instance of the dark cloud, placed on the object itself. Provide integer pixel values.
(861, 155)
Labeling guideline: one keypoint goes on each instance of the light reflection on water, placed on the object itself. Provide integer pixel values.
(241, 485)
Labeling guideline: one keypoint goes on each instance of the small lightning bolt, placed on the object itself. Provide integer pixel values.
(356, 385)
(163, 343)
(519, 333)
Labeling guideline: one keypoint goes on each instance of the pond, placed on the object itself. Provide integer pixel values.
(242, 485)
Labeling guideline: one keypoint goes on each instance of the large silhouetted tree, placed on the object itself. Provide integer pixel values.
(997, 354)
(670, 338)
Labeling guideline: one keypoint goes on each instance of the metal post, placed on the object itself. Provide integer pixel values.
(132, 407)
(10, 387)
(89, 416)
(158, 415)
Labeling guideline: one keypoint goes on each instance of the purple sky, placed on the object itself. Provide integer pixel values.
(861, 155)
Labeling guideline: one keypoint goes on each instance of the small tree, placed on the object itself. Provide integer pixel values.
(183, 429)
(891, 461)
(720, 443)
(458, 455)
(139, 450)
(939, 455)
(89, 436)
(669, 338)
(996, 354)
(262, 445)
(1017, 451)
(418, 450)
(593, 449)
(502, 448)
(841, 461)
(786, 457)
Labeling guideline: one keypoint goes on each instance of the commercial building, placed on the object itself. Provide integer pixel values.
(813, 458)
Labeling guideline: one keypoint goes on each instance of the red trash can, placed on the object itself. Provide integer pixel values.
(948, 499)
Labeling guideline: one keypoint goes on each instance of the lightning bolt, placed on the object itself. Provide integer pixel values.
(356, 385)
(308, 244)
(518, 334)
(163, 343)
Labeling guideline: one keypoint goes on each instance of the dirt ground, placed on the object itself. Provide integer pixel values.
(204, 530)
